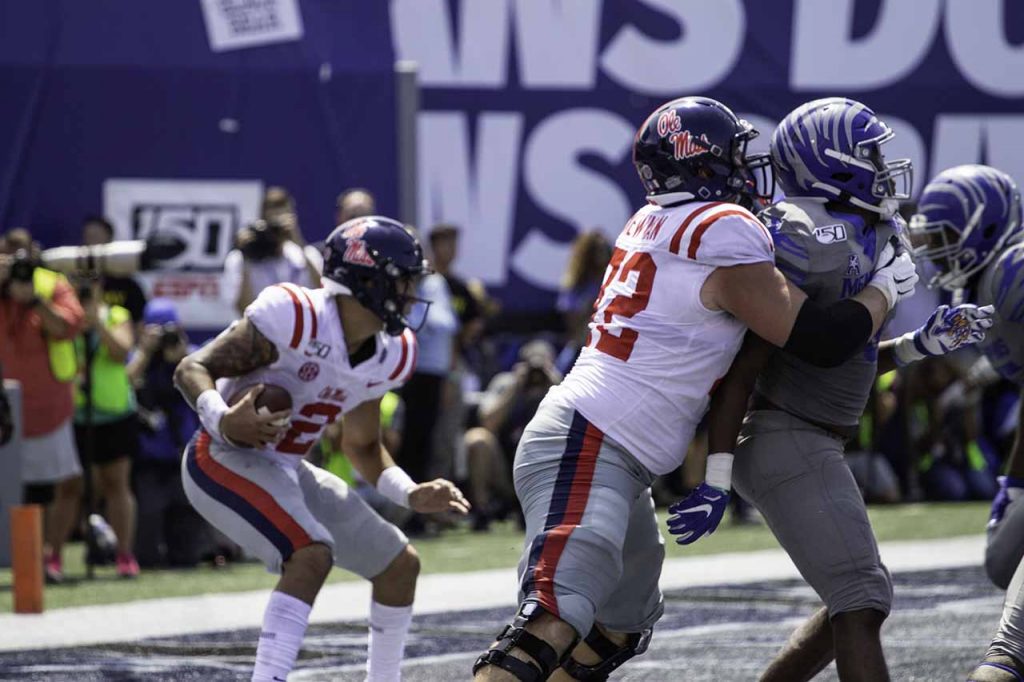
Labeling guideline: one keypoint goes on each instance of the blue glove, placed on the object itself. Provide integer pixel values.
(698, 514)
(1010, 489)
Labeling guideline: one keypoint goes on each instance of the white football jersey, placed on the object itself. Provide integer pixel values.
(654, 352)
(313, 364)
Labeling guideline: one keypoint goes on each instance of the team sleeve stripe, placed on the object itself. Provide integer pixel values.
(312, 312)
(401, 359)
(699, 231)
(412, 359)
(677, 238)
(298, 328)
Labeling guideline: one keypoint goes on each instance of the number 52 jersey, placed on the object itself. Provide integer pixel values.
(313, 364)
(654, 352)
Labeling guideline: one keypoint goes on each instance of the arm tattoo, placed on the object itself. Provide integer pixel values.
(238, 350)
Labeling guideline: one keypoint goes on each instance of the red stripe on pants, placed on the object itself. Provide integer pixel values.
(259, 498)
(557, 537)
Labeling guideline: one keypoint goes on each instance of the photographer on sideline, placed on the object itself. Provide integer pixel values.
(506, 408)
(170, 531)
(39, 317)
(122, 291)
(267, 252)
(107, 435)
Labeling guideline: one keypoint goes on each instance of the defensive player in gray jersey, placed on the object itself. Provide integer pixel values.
(837, 218)
(969, 225)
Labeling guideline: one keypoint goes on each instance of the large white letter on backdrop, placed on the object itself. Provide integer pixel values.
(710, 41)
(826, 58)
(478, 194)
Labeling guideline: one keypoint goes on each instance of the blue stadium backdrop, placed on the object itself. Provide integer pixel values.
(528, 106)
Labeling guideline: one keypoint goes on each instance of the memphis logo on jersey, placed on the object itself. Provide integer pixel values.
(355, 250)
(684, 144)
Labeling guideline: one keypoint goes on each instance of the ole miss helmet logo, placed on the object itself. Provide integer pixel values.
(355, 249)
(685, 145)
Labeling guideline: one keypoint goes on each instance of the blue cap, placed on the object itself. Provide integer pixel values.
(160, 311)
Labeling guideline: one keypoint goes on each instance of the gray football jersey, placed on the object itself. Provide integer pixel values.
(831, 256)
(1002, 285)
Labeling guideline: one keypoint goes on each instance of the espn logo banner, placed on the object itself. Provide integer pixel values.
(203, 216)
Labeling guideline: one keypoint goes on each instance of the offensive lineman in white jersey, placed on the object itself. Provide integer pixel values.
(336, 350)
(690, 272)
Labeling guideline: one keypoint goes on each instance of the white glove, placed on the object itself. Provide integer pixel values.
(945, 331)
(896, 276)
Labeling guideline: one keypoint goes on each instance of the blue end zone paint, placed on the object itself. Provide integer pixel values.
(935, 633)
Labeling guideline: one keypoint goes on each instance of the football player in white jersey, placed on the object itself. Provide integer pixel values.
(690, 272)
(336, 350)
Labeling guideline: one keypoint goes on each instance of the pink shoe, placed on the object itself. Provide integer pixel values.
(53, 569)
(127, 566)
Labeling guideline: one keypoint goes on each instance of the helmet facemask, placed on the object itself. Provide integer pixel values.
(946, 246)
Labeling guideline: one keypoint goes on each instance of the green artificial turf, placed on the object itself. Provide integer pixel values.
(462, 550)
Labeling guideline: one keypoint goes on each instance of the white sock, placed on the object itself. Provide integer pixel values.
(284, 625)
(388, 627)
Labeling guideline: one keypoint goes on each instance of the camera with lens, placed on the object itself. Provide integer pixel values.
(22, 267)
(170, 336)
(263, 240)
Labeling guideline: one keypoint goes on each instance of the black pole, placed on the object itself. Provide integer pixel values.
(87, 458)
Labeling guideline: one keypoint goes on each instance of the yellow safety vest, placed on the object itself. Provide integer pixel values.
(111, 389)
(62, 351)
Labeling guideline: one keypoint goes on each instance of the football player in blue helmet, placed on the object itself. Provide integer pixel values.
(832, 148)
(968, 223)
(834, 227)
(376, 261)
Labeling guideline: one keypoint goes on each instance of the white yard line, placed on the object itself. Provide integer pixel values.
(437, 592)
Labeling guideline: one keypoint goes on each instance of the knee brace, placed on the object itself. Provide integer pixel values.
(515, 636)
(612, 655)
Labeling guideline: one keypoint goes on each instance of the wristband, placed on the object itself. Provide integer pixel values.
(210, 407)
(718, 471)
(394, 484)
(906, 350)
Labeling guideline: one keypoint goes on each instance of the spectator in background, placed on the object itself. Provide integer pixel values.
(39, 317)
(449, 452)
(952, 465)
(265, 255)
(279, 208)
(117, 291)
(354, 202)
(106, 423)
(507, 407)
(20, 239)
(422, 394)
(170, 531)
(580, 284)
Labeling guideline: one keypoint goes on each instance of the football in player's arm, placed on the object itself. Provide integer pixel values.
(242, 349)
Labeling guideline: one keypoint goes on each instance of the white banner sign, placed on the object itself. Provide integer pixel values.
(203, 216)
(234, 24)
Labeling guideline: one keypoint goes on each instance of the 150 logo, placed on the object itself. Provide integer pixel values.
(203, 217)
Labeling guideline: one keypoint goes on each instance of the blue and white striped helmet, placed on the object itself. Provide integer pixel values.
(964, 218)
(832, 148)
